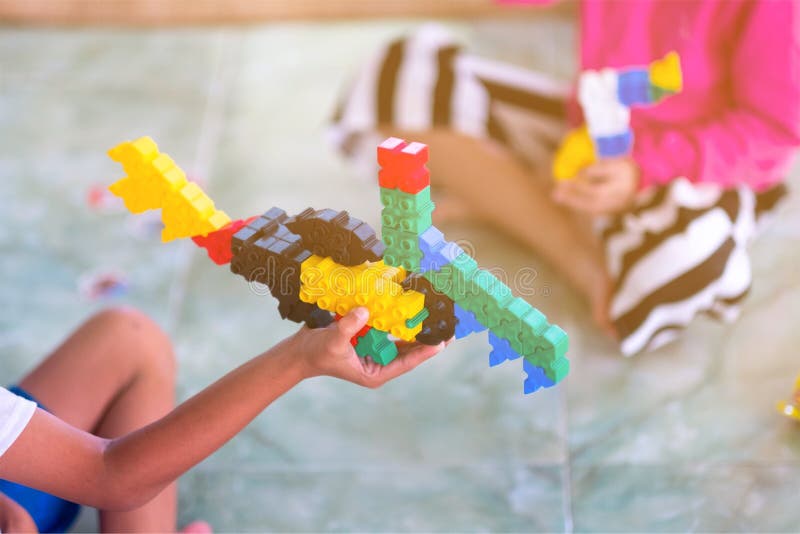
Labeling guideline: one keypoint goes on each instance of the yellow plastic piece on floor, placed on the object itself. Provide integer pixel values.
(575, 153)
(666, 73)
(154, 181)
(374, 285)
(791, 408)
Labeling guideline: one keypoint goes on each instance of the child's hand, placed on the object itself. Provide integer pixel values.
(14, 518)
(327, 351)
(604, 187)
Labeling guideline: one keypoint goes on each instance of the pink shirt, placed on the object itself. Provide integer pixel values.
(737, 120)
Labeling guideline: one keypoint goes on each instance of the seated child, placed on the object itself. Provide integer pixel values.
(106, 433)
(677, 214)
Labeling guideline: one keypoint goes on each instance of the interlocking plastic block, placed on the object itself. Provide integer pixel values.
(501, 350)
(265, 251)
(455, 278)
(337, 234)
(403, 165)
(548, 352)
(436, 250)
(440, 324)
(665, 73)
(190, 212)
(376, 286)
(402, 249)
(132, 155)
(397, 154)
(466, 323)
(218, 244)
(377, 345)
(155, 181)
(406, 212)
(418, 318)
(359, 334)
(633, 87)
(536, 378)
(576, 152)
(614, 145)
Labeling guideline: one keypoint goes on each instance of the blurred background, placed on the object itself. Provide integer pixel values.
(239, 94)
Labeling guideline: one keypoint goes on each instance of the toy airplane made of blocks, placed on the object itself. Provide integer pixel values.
(417, 285)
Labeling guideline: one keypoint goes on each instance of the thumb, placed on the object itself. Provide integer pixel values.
(350, 324)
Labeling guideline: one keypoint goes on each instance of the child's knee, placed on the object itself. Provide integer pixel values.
(145, 341)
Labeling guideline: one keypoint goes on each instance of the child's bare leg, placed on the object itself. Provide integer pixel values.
(113, 375)
(499, 189)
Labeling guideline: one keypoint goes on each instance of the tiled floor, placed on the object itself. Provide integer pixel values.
(682, 439)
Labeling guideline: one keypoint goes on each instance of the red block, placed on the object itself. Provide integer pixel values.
(361, 333)
(410, 182)
(402, 157)
(218, 244)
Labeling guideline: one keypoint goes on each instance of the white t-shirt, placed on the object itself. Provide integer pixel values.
(15, 412)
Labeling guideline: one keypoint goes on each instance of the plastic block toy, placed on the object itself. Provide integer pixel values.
(791, 408)
(218, 243)
(376, 344)
(606, 97)
(154, 181)
(501, 350)
(436, 250)
(320, 264)
(466, 323)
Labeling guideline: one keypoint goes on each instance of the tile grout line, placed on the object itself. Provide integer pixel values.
(566, 468)
(207, 142)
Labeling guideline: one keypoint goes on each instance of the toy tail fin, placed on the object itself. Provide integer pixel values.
(154, 181)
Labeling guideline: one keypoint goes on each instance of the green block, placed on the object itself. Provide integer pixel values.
(511, 319)
(407, 222)
(408, 202)
(402, 249)
(659, 93)
(418, 318)
(549, 348)
(376, 344)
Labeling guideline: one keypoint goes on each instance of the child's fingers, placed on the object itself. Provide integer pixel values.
(350, 324)
(579, 195)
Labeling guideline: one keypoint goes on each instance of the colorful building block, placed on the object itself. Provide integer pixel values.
(440, 323)
(501, 350)
(218, 243)
(436, 250)
(791, 407)
(606, 97)
(154, 181)
(403, 165)
(377, 345)
(376, 286)
(466, 323)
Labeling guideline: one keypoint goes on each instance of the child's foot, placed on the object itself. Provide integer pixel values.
(600, 302)
(197, 527)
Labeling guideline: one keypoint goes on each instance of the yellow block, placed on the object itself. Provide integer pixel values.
(666, 72)
(154, 181)
(575, 153)
(376, 286)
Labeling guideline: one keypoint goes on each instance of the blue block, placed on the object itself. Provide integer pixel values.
(466, 322)
(614, 145)
(436, 250)
(501, 350)
(633, 87)
(536, 378)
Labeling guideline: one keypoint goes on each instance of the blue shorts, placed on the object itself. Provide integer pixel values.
(51, 513)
